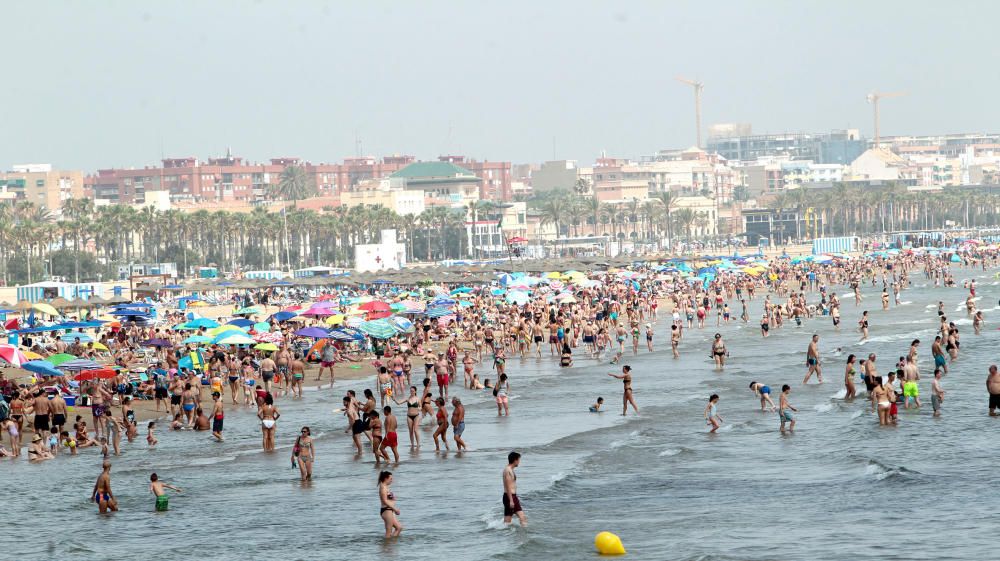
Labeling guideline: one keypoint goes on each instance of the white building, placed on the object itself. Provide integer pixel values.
(386, 255)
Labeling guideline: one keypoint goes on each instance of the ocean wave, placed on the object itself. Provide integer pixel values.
(881, 472)
(674, 452)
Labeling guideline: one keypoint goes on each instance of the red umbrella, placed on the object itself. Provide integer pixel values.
(374, 306)
(378, 315)
(100, 374)
(517, 240)
(12, 355)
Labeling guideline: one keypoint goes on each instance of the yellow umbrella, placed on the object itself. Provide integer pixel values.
(553, 275)
(45, 308)
(223, 328)
(335, 319)
(33, 356)
(197, 304)
(99, 346)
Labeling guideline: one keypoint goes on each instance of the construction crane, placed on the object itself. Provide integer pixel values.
(698, 87)
(874, 98)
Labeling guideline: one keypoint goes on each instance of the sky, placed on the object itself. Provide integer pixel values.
(99, 84)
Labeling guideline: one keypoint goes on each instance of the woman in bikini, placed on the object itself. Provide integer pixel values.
(268, 415)
(305, 452)
(412, 413)
(388, 510)
(426, 410)
(442, 425)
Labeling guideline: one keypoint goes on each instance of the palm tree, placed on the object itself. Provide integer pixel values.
(668, 201)
(293, 185)
(594, 208)
(553, 212)
(685, 219)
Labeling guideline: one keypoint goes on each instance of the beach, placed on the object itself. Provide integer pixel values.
(659, 480)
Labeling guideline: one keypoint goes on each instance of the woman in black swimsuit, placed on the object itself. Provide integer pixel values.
(412, 414)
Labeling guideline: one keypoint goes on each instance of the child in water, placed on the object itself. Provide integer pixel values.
(712, 412)
(596, 407)
(150, 438)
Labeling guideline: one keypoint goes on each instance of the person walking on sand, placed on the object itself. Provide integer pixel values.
(102, 494)
(712, 413)
(812, 361)
(158, 489)
(785, 409)
(627, 398)
(511, 504)
(388, 510)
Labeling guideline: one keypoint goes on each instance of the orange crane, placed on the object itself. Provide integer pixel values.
(874, 98)
(698, 87)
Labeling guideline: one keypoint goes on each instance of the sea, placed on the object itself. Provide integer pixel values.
(840, 487)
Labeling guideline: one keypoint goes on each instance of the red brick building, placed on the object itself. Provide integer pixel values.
(231, 179)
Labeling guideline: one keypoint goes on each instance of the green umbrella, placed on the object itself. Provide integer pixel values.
(60, 358)
(252, 310)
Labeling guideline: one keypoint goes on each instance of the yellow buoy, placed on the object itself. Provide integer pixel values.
(609, 544)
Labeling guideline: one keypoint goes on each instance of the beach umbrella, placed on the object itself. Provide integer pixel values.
(346, 334)
(318, 312)
(519, 298)
(198, 323)
(234, 339)
(443, 302)
(12, 355)
(379, 329)
(33, 355)
(78, 364)
(283, 316)
(43, 367)
(240, 322)
(314, 332)
(437, 312)
(462, 290)
(401, 324)
(266, 347)
(335, 319)
(96, 374)
(99, 346)
(60, 358)
(197, 339)
(566, 298)
(223, 329)
(262, 326)
(45, 308)
(249, 311)
(374, 306)
(158, 343)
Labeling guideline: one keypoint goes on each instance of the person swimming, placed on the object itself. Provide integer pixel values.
(596, 407)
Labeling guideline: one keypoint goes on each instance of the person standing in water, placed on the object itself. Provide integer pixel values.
(102, 494)
(812, 361)
(218, 416)
(712, 413)
(305, 453)
(511, 504)
(785, 409)
(388, 510)
(627, 398)
(158, 489)
(719, 352)
(458, 423)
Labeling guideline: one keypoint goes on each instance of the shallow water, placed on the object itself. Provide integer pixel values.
(839, 488)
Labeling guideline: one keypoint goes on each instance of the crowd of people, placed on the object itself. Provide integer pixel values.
(600, 316)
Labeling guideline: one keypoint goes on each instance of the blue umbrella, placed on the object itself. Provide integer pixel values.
(197, 339)
(43, 367)
(346, 334)
(443, 302)
(201, 322)
(461, 290)
(438, 312)
(283, 316)
(241, 322)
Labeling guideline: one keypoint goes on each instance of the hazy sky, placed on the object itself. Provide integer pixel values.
(104, 84)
